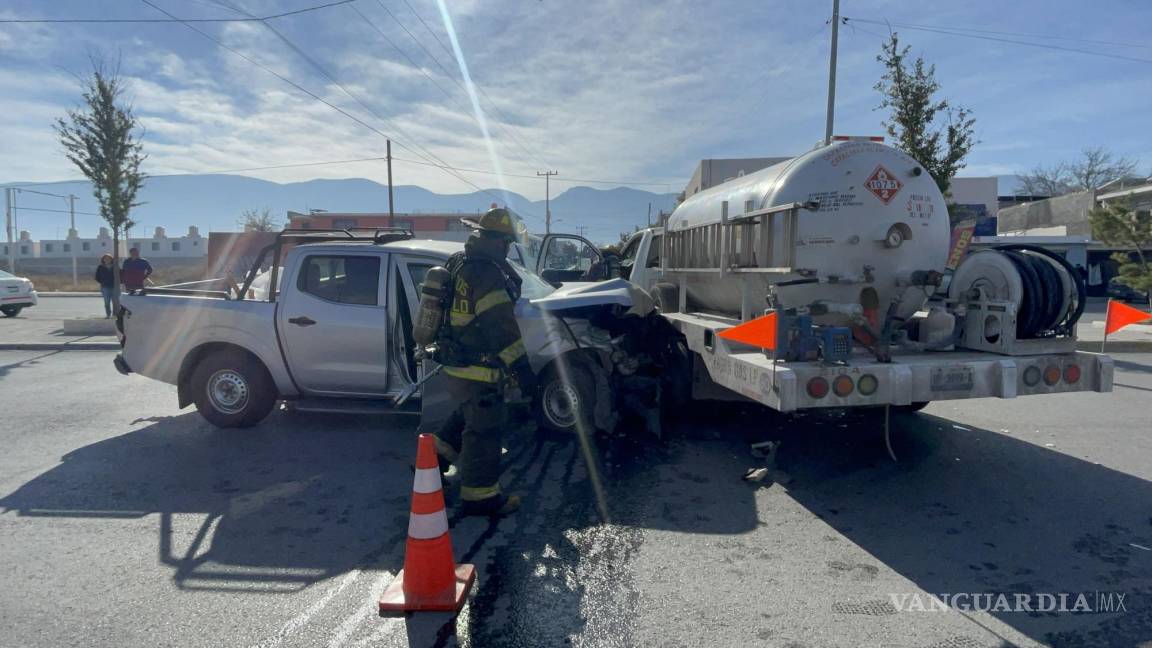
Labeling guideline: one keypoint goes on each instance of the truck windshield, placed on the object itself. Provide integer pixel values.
(534, 287)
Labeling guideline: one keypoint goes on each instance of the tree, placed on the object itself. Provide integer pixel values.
(99, 137)
(1055, 180)
(260, 221)
(1098, 166)
(1095, 166)
(934, 132)
(1118, 225)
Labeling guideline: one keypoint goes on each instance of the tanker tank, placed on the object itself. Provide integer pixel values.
(871, 217)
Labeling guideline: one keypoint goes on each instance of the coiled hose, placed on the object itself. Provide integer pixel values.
(1040, 307)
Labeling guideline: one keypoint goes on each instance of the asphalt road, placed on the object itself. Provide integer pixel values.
(59, 308)
(126, 522)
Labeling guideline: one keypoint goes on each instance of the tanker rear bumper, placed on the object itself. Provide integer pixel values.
(909, 378)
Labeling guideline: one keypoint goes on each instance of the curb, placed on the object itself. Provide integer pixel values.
(67, 294)
(80, 346)
(1115, 346)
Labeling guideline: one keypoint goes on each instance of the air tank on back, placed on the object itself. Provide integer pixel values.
(873, 216)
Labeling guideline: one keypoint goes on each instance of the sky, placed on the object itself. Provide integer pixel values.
(629, 93)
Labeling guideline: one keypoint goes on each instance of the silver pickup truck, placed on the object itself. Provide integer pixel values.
(329, 328)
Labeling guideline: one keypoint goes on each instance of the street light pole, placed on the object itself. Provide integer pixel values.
(832, 72)
(71, 242)
(391, 212)
(547, 199)
(8, 226)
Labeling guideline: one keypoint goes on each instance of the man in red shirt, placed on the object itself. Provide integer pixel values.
(135, 270)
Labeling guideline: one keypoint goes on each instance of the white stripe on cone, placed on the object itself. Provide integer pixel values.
(427, 480)
(426, 526)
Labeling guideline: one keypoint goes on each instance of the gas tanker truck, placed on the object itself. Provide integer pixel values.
(832, 280)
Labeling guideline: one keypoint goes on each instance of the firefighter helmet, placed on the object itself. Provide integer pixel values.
(498, 220)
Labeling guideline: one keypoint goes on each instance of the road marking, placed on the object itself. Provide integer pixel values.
(295, 624)
(368, 609)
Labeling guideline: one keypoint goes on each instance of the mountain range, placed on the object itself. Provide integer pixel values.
(216, 202)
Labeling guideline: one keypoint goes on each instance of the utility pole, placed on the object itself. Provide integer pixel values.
(832, 72)
(581, 229)
(547, 199)
(648, 219)
(391, 210)
(8, 226)
(72, 242)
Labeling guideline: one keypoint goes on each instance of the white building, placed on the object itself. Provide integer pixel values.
(191, 245)
(22, 248)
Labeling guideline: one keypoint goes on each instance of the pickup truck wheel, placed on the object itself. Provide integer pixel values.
(11, 311)
(565, 399)
(232, 390)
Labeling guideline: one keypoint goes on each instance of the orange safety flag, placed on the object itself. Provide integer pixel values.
(1121, 315)
(760, 332)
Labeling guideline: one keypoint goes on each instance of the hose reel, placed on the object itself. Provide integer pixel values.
(1017, 294)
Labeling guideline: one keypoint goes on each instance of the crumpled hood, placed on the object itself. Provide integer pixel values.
(617, 292)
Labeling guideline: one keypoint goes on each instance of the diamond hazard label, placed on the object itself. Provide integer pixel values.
(883, 184)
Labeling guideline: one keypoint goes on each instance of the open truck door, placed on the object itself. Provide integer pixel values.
(567, 257)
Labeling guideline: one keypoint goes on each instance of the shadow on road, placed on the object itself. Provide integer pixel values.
(300, 499)
(971, 510)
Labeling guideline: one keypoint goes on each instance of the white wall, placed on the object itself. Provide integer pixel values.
(976, 191)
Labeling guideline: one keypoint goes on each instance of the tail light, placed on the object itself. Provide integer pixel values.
(1052, 375)
(1072, 374)
(817, 387)
(867, 385)
(842, 386)
(1032, 376)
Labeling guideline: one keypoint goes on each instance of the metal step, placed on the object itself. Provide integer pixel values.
(352, 406)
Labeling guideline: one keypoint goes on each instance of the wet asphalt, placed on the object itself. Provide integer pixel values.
(126, 522)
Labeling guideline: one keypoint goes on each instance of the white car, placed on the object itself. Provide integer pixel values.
(16, 294)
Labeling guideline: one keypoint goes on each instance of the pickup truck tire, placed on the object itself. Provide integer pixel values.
(565, 405)
(232, 389)
(11, 311)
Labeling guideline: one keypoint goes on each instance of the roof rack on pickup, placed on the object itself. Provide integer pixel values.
(293, 236)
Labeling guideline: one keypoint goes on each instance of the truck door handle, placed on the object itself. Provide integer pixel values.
(303, 320)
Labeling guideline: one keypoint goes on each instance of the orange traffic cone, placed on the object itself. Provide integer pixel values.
(430, 579)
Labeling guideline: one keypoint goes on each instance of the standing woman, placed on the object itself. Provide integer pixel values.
(107, 281)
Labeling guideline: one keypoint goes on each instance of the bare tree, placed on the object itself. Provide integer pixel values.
(933, 131)
(1055, 180)
(1097, 166)
(99, 137)
(260, 221)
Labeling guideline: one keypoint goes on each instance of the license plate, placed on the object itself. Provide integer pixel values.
(952, 378)
(13, 289)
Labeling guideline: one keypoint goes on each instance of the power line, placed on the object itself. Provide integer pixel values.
(179, 20)
(447, 50)
(424, 152)
(1008, 33)
(309, 92)
(54, 211)
(948, 32)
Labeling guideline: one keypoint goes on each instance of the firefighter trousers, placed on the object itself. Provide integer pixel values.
(475, 446)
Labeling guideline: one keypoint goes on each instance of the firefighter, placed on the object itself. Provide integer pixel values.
(483, 355)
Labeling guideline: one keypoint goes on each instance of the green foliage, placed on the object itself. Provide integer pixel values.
(98, 137)
(934, 132)
(1118, 225)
